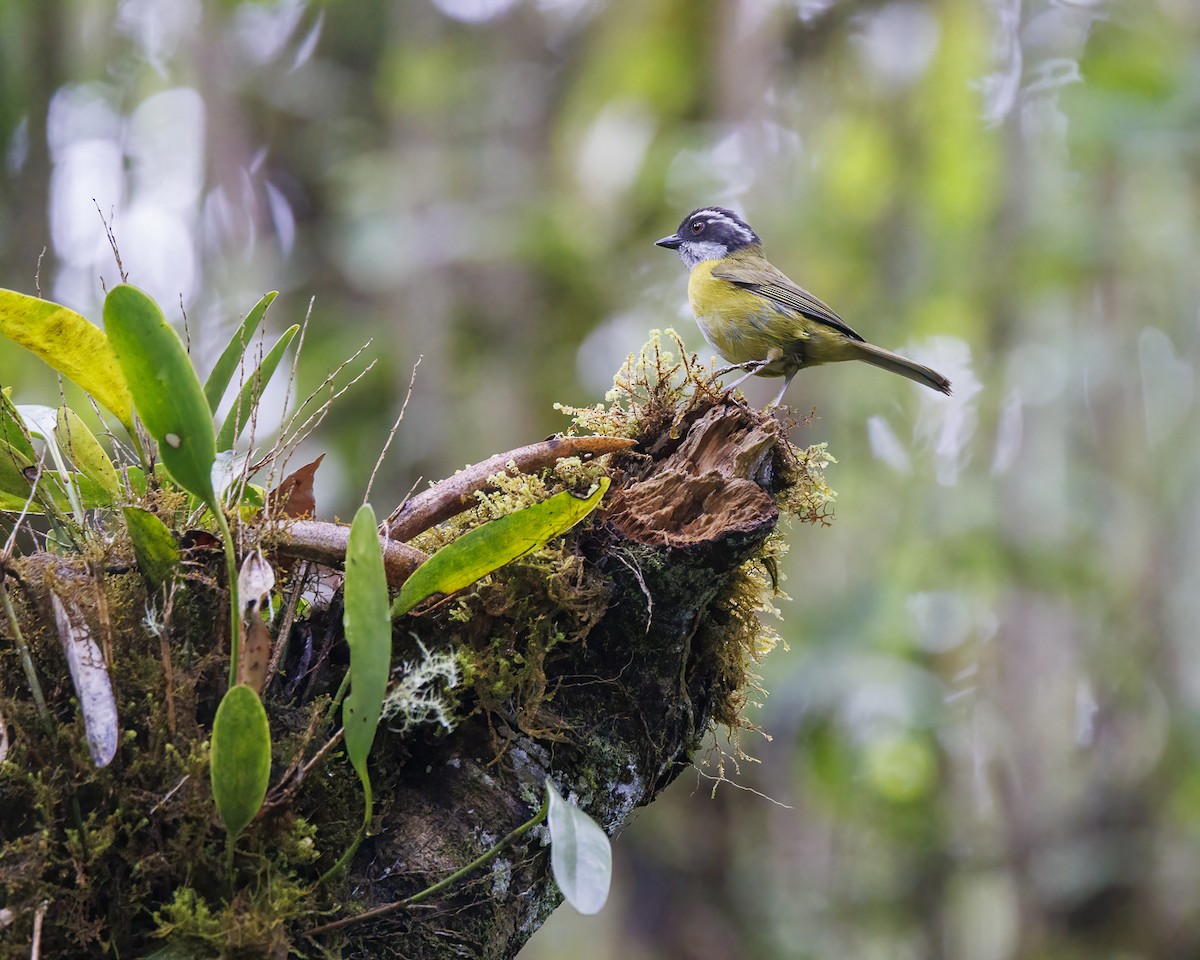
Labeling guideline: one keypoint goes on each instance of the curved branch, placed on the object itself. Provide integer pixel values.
(326, 543)
(453, 495)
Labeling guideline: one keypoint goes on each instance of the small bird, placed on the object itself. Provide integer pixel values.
(758, 319)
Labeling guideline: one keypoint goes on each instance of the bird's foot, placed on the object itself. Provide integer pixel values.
(750, 367)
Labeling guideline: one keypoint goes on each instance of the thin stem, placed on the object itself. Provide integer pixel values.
(441, 885)
(337, 697)
(35, 687)
(344, 860)
(235, 619)
(285, 625)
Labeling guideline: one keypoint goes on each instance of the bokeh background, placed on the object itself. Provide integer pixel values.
(985, 733)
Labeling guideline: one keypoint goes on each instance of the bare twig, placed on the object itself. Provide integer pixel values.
(112, 240)
(169, 794)
(37, 274)
(187, 331)
(281, 442)
(294, 775)
(395, 426)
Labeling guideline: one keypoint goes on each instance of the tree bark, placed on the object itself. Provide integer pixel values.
(632, 701)
(601, 666)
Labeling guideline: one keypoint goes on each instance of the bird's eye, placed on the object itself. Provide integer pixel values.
(698, 227)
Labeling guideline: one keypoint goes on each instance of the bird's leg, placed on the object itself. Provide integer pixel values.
(787, 381)
(751, 367)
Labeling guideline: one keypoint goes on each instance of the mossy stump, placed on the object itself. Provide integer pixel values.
(602, 659)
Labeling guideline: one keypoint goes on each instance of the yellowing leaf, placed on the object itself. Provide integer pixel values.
(84, 450)
(69, 343)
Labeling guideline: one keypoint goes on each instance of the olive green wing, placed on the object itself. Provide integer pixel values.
(770, 283)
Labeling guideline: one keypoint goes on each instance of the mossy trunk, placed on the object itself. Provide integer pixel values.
(600, 661)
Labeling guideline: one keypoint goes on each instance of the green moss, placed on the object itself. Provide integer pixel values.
(142, 833)
(651, 394)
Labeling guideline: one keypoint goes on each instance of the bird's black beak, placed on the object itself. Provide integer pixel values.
(671, 243)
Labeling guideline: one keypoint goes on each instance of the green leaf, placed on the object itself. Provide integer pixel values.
(91, 495)
(580, 854)
(157, 553)
(252, 389)
(13, 430)
(15, 472)
(165, 388)
(58, 488)
(84, 450)
(368, 630)
(480, 551)
(218, 381)
(15, 483)
(70, 344)
(241, 758)
(11, 503)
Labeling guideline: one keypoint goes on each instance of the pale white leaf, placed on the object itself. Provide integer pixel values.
(89, 674)
(256, 580)
(580, 854)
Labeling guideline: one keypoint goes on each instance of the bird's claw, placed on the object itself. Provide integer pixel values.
(749, 368)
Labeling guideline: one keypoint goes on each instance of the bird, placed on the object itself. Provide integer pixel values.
(759, 320)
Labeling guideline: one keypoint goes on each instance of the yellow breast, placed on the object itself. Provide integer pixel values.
(740, 325)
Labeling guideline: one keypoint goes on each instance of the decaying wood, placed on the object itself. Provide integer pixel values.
(625, 699)
(631, 703)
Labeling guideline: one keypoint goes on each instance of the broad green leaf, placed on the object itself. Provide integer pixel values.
(84, 450)
(368, 630)
(154, 545)
(487, 548)
(252, 389)
(70, 344)
(89, 493)
(218, 381)
(16, 481)
(11, 503)
(580, 854)
(12, 429)
(15, 472)
(165, 388)
(241, 758)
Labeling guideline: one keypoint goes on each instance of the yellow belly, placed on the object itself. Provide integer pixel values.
(743, 326)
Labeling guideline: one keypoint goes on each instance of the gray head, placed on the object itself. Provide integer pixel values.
(710, 233)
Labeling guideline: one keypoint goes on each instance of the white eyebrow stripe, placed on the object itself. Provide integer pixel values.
(744, 234)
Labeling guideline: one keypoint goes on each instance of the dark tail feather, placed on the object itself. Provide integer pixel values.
(877, 356)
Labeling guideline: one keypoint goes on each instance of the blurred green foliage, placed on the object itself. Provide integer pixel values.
(988, 725)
